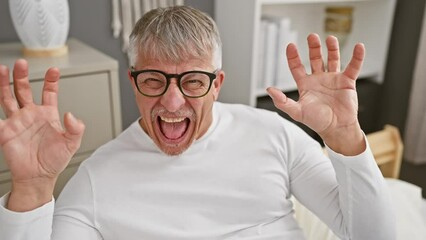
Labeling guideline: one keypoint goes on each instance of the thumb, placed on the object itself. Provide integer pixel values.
(74, 129)
(285, 104)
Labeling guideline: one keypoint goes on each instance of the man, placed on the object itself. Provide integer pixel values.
(190, 167)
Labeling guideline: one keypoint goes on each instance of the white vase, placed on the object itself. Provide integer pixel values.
(42, 25)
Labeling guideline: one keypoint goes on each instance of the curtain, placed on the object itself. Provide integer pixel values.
(125, 13)
(415, 130)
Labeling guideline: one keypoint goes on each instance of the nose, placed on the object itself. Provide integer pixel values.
(173, 99)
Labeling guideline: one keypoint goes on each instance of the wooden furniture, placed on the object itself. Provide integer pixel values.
(89, 88)
(387, 148)
(239, 25)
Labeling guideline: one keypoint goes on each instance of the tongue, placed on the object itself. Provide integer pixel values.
(173, 130)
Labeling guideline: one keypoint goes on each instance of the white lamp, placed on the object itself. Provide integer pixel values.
(42, 26)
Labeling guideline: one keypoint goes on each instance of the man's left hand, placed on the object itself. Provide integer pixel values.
(328, 102)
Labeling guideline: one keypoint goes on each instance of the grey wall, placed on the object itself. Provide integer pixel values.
(7, 32)
(401, 61)
(90, 22)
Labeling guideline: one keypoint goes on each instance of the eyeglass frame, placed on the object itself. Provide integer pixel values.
(212, 76)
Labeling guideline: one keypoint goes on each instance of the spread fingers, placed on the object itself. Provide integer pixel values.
(315, 55)
(333, 54)
(7, 101)
(21, 84)
(50, 87)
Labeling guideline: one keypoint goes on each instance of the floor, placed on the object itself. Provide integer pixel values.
(415, 174)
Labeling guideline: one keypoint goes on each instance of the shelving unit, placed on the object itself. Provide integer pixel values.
(239, 25)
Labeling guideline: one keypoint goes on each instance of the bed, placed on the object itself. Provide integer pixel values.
(410, 207)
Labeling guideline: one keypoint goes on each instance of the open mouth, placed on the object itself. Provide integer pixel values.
(173, 128)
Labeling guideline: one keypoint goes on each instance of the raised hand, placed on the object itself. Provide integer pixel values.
(34, 144)
(328, 102)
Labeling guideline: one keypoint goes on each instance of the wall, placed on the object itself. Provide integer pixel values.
(90, 22)
(401, 61)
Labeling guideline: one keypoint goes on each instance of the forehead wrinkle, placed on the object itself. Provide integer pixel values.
(174, 67)
(172, 52)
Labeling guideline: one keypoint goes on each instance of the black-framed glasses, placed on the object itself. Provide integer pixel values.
(154, 83)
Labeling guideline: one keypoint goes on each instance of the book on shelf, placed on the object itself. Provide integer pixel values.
(283, 77)
(270, 53)
(261, 55)
(275, 35)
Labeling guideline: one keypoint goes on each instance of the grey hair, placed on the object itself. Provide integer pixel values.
(176, 34)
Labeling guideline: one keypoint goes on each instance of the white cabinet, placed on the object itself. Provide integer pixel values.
(89, 88)
(239, 25)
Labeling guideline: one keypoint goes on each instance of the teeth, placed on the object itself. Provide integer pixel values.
(172, 120)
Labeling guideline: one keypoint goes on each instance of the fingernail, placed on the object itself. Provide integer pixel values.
(72, 118)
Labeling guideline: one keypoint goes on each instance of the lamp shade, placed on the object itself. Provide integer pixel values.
(42, 25)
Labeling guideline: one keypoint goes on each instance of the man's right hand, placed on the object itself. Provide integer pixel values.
(35, 146)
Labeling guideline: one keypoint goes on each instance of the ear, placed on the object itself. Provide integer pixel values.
(132, 83)
(217, 84)
(129, 76)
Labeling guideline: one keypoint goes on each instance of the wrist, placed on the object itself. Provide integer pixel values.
(26, 196)
(349, 141)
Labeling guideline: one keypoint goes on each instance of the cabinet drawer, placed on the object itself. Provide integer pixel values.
(88, 97)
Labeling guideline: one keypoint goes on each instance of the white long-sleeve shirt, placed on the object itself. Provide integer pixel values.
(234, 182)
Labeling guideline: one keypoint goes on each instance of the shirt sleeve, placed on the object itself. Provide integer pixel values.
(348, 193)
(35, 224)
(72, 217)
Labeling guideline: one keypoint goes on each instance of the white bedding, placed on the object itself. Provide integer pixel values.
(410, 211)
(424, 210)
(409, 208)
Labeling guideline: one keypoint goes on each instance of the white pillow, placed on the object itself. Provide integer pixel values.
(313, 228)
(407, 201)
(409, 210)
